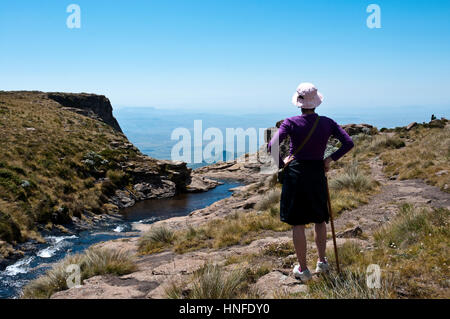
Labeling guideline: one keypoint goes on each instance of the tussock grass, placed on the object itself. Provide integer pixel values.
(272, 197)
(155, 240)
(353, 179)
(351, 188)
(412, 251)
(427, 157)
(216, 282)
(93, 262)
(407, 228)
(380, 143)
(238, 228)
(347, 285)
(212, 283)
(415, 245)
(209, 282)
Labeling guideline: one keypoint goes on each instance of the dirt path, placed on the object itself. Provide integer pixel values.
(382, 207)
(157, 271)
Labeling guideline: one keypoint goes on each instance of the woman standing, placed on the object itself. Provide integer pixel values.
(304, 192)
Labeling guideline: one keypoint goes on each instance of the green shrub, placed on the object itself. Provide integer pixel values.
(118, 178)
(45, 209)
(9, 231)
(9, 180)
(108, 188)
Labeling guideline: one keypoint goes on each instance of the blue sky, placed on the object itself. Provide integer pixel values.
(229, 55)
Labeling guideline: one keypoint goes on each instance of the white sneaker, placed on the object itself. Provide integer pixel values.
(302, 275)
(322, 267)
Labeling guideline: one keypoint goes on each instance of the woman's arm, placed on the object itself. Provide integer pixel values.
(346, 141)
(273, 147)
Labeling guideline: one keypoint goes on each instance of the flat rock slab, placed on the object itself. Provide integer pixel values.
(108, 287)
(276, 283)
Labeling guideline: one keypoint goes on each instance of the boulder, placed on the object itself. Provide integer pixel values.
(200, 184)
(355, 129)
(438, 123)
(440, 173)
(350, 233)
(411, 125)
(163, 189)
(122, 199)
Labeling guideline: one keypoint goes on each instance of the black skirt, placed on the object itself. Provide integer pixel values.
(304, 193)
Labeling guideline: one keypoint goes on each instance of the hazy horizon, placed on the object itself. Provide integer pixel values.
(150, 128)
(234, 55)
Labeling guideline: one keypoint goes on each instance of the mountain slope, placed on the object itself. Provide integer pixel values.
(63, 159)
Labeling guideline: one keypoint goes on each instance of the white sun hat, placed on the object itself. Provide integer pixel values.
(307, 96)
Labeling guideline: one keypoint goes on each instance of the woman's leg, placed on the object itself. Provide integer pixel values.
(320, 235)
(300, 245)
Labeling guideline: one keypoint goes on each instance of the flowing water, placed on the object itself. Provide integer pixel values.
(35, 263)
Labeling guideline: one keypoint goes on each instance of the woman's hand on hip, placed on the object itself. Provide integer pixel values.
(287, 160)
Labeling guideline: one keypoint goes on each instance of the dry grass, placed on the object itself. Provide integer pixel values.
(412, 252)
(415, 246)
(353, 179)
(272, 197)
(209, 282)
(347, 285)
(379, 143)
(155, 240)
(427, 157)
(93, 262)
(216, 282)
(238, 228)
(352, 188)
(50, 160)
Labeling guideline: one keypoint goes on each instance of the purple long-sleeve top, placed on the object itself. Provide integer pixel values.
(298, 127)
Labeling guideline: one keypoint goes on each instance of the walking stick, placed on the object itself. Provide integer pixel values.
(330, 212)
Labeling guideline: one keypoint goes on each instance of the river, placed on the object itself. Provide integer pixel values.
(33, 264)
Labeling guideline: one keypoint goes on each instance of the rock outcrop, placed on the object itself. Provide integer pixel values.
(91, 105)
(355, 129)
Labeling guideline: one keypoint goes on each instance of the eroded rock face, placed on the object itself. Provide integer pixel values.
(164, 189)
(91, 105)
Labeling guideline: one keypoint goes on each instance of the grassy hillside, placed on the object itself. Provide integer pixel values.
(53, 164)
